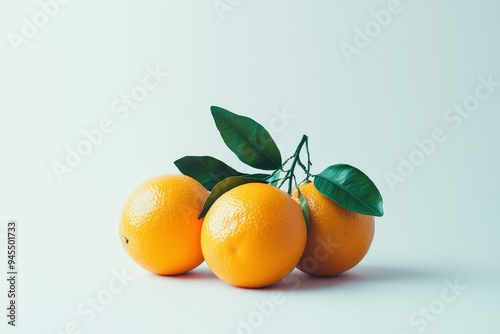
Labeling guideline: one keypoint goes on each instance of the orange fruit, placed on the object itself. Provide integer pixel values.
(338, 238)
(159, 224)
(253, 235)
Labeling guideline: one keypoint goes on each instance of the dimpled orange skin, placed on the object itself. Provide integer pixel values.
(338, 238)
(253, 235)
(159, 225)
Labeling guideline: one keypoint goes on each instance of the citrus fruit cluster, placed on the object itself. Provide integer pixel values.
(250, 232)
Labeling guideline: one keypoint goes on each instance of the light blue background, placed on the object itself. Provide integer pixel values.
(262, 58)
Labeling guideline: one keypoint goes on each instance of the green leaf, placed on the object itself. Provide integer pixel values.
(223, 187)
(263, 177)
(351, 188)
(305, 209)
(249, 140)
(207, 170)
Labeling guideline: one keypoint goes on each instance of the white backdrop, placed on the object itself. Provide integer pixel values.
(368, 81)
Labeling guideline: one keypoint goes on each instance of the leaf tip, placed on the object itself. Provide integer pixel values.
(215, 109)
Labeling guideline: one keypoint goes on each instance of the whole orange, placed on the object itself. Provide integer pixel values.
(253, 235)
(159, 224)
(338, 238)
